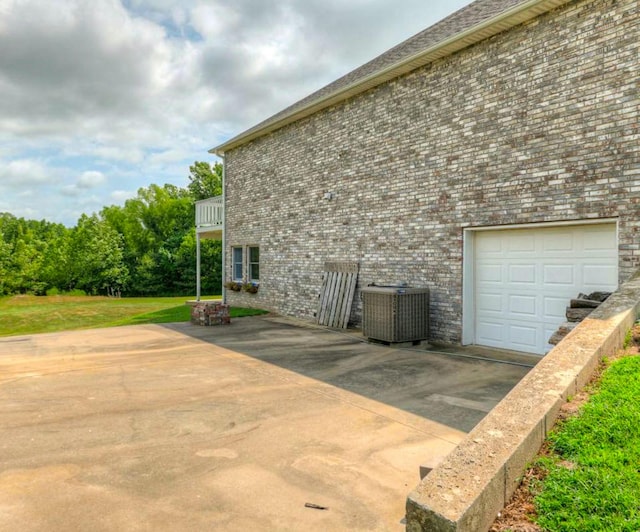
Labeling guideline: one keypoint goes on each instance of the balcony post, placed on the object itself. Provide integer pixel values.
(197, 266)
(209, 225)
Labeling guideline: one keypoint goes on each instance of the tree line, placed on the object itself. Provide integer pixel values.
(147, 247)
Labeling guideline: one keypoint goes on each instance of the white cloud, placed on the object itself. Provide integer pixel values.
(90, 179)
(28, 212)
(76, 66)
(120, 196)
(113, 153)
(214, 19)
(70, 190)
(84, 182)
(99, 70)
(168, 156)
(24, 172)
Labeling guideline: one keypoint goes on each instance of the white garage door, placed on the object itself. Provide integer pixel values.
(524, 279)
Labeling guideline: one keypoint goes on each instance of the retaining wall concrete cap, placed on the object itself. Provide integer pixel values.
(467, 490)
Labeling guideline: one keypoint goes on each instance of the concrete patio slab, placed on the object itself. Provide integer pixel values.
(225, 428)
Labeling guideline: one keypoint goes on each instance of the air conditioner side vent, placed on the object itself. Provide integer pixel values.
(395, 314)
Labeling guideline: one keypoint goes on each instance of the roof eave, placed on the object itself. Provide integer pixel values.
(505, 20)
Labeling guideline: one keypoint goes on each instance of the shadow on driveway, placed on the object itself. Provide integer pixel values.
(454, 391)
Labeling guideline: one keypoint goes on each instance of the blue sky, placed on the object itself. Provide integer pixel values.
(101, 97)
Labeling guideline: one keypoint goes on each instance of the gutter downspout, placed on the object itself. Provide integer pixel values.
(224, 228)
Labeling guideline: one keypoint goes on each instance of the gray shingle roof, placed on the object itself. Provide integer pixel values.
(479, 14)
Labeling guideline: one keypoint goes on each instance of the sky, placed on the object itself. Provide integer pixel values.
(99, 98)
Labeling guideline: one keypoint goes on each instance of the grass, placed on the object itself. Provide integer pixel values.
(592, 476)
(38, 314)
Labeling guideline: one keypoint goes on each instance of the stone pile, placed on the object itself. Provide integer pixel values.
(210, 314)
(578, 310)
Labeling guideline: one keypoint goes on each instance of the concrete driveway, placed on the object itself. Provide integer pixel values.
(226, 428)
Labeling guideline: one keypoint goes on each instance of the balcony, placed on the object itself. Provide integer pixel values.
(210, 218)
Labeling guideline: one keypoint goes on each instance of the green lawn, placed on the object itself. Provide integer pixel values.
(38, 314)
(593, 474)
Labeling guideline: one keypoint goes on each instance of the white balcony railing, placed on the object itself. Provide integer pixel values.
(210, 213)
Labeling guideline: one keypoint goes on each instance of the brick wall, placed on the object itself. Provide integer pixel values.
(538, 124)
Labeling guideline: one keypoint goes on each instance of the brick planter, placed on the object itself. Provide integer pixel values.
(210, 314)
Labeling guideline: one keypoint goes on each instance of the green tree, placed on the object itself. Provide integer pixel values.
(153, 225)
(147, 246)
(24, 245)
(5, 261)
(55, 270)
(97, 257)
(205, 181)
(210, 261)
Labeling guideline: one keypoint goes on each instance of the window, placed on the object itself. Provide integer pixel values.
(245, 264)
(238, 263)
(254, 264)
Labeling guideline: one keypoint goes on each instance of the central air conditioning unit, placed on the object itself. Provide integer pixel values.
(395, 314)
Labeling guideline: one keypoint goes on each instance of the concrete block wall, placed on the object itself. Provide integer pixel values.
(465, 492)
(537, 124)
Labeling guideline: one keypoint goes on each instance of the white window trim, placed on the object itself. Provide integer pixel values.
(245, 264)
(233, 264)
(249, 263)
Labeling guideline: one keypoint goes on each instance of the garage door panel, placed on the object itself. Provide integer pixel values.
(554, 307)
(490, 302)
(600, 240)
(517, 246)
(522, 305)
(596, 275)
(490, 333)
(522, 273)
(559, 274)
(490, 273)
(559, 242)
(525, 278)
(489, 247)
(524, 336)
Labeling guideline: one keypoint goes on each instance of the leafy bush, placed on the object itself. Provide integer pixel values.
(76, 292)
